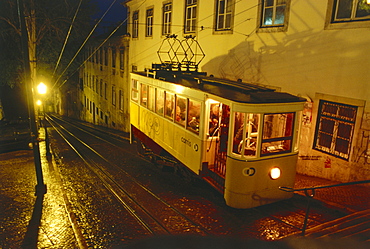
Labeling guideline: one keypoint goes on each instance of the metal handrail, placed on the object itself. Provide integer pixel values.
(310, 194)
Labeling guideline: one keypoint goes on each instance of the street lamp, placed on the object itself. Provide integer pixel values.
(42, 89)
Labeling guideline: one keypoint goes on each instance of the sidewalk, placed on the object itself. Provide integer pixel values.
(20, 210)
(27, 221)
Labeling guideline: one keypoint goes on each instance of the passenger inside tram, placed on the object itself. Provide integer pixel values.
(214, 118)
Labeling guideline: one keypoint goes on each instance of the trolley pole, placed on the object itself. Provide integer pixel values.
(40, 187)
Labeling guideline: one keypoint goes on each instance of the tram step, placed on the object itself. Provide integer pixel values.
(354, 226)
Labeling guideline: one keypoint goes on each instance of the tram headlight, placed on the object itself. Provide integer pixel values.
(275, 173)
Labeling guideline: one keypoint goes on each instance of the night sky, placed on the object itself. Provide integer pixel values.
(115, 14)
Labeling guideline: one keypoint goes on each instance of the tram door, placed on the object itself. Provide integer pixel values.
(218, 130)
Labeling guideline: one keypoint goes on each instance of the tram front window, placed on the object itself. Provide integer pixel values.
(245, 133)
(277, 133)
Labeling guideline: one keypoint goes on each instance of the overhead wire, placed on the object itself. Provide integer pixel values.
(83, 44)
(98, 47)
(66, 39)
(105, 40)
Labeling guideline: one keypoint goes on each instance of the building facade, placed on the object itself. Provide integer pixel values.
(313, 49)
(103, 82)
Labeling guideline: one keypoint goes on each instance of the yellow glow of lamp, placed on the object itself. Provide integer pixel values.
(275, 173)
(41, 88)
(38, 102)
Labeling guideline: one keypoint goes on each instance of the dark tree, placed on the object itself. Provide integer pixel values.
(53, 19)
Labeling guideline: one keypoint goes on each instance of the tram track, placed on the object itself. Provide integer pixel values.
(139, 201)
(286, 215)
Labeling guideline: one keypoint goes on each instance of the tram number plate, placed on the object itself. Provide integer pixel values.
(249, 171)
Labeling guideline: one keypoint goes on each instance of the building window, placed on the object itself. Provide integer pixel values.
(113, 57)
(135, 24)
(105, 90)
(101, 88)
(149, 23)
(334, 128)
(224, 14)
(106, 56)
(274, 13)
(167, 15)
(121, 58)
(113, 95)
(190, 16)
(120, 100)
(101, 52)
(350, 10)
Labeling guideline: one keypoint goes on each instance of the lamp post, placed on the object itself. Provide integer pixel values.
(42, 89)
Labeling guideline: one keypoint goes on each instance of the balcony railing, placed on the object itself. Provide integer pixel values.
(310, 194)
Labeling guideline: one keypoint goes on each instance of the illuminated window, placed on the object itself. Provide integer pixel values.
(149, 23)
(334, 129)
(134, 90)
(167, 18)
(168, 108)
(350, 10)
(190, 16)
(135, 24)
(194, 110)
(180, 111)
(144, 95)
(159, 101)
(245, 133)
(151, 98)
(274, 13)
(224, 14)
(214, 119)
(277, 133)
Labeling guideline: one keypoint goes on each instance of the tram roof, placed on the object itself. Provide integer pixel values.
(234, 90)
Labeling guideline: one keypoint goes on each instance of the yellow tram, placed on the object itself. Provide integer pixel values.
(241, 138)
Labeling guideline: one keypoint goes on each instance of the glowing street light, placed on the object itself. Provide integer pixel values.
(41, 88)
(38, 102)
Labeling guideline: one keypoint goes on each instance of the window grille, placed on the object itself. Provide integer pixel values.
(273, 13)
(149, 22)
(350, 10)
(167, 19)
(334, 129)
(224, 12)
(135, 24)
(190, 16)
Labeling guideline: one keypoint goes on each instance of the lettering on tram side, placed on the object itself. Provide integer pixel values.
(188, 143)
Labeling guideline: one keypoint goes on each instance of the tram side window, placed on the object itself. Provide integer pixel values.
(144, 95)
(214, 118)
(194, 110)
(168, 109)
(277, 133)
(151, 98)
(245, 133)
(159, 104)
(134, 90)
(180, 111)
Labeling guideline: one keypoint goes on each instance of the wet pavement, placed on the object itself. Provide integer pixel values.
(47, 221)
